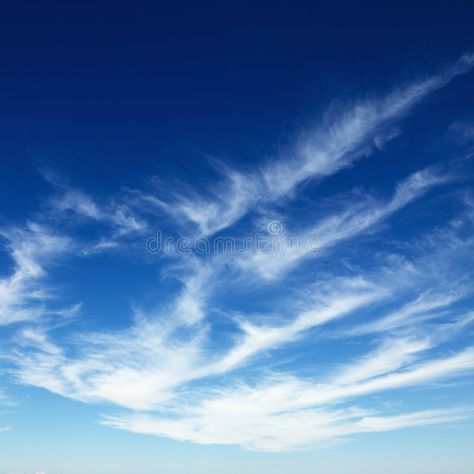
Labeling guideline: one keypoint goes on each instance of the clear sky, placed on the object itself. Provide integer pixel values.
(236, 237)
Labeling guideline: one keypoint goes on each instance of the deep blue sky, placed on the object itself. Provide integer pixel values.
(346, 128)
(103, 87)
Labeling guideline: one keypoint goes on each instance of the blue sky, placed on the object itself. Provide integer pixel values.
(236, 238)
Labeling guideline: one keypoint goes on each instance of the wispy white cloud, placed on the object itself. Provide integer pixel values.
(355, 219)
(293, 414)
(463, 131)
(284, 431)
(344, 138)
(137, 368)
(425, 306)
(116, 214)
(148, 366)
(23, 293)
(283, 412)
(352, 295)
(70, 203)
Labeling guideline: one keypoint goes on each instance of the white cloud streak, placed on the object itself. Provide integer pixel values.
(23, 293)
(292, 414)
(282, 431)
(349, 136)
(354, 220)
